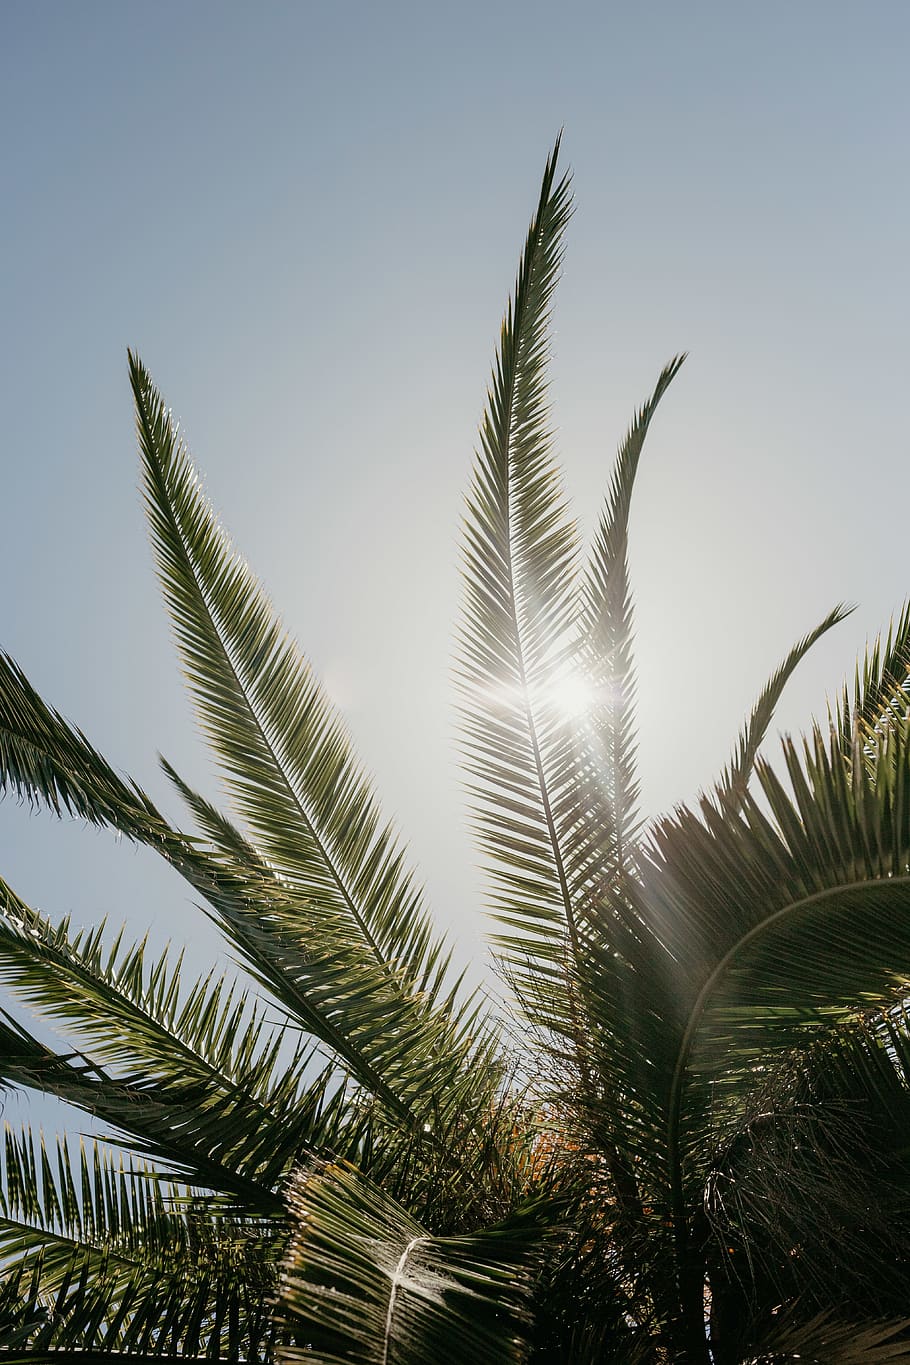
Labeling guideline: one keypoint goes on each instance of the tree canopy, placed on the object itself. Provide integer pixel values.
(686, 1139)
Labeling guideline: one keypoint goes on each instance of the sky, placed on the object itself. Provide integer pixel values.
(306, 218)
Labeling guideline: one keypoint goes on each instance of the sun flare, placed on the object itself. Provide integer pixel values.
(572, 695)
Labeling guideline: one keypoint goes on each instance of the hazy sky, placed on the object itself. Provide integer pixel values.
(307, 217)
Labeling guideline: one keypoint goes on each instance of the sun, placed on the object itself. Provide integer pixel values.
(571, 694)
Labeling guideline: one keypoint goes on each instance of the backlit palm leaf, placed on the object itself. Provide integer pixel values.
(125, 1263)
(363, 1282)
(605, 671)
(362, 1132)
(879, 687)
(519, 566)
(318, 972)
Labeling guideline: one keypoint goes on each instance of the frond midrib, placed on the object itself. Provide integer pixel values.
(699, 1007)
(211, 609)
(229, 1085)
(521, 305)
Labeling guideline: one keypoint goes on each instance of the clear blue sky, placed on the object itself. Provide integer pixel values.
(306, 217)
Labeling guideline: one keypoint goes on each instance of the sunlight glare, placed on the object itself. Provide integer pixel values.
(572, 694)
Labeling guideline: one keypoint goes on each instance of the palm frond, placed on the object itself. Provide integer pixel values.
(825, 1340)
(409, 1049)
(736, 775)
(203, 1053)
(810, 1197)
(286, 758)
(364, 1282)
(519, 569)
(775, 925)
(370, 954)
(315, 970)
(108, 1258)
(607, 781)
(46, 761)
(880, 686)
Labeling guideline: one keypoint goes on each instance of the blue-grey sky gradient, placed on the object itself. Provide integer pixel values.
(306, 218)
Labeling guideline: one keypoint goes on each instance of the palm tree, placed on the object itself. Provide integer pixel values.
(686, 1143)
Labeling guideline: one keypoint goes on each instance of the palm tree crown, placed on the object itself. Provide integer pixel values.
(687, 1145)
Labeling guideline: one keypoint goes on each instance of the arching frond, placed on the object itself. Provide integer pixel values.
(804, 911)
(606, 779)
(736, 775)
(320, 975)
(204, 1056)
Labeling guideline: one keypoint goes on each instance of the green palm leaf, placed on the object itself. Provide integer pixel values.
(810, 1198)
(122, 1262)
(287, 761)
(208, 1059)
(739, 770)
(825, 1341)
(772, 924)
(803, 912)
(519, 568)
(408, 1049)
(321, 976)
(345, 891)
(880, 686)
(364, 1282)
(607, 782)
(356, 1169)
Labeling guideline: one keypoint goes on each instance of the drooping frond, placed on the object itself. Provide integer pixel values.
(364, 1283)
(46, 761)
(810, 1196)
(110, 1259)
(204, 1148)
(313, 967)
(203, 1054)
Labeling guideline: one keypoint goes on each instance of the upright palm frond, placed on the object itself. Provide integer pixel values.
(880, 686)
(286, 759)
(290, 769)
(519, 567)
(605, 666)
